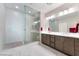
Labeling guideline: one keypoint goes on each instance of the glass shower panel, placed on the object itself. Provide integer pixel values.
(15, 23)
(19, 25)
(15, 27)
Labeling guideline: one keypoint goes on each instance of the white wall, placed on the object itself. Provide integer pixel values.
(44, 22)
(63, 27)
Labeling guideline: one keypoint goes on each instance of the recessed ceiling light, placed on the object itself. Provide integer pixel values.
(17, 7)
(29, 11)
(35, 22)
(66, 12)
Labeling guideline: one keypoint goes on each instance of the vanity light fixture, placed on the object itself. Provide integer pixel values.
(66, 12)
(61, 13)
(50, 17)
(53, 16)
(47, 18)
(71, 10)
(36, 22)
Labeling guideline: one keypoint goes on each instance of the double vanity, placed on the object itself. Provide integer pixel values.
(67, 43)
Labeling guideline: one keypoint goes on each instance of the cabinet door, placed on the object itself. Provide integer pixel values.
(59, 42)
(52, 40)
(77, 47)
(43, 38)
(69, 45)
(52, 44)
(46, 39)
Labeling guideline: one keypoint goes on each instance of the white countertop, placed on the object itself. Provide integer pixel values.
(74, 35)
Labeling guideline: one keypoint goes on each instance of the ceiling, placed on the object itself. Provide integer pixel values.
(45, 7)
(22, 8)
(33, 8)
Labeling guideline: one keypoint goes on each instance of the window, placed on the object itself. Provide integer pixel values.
(66, 12)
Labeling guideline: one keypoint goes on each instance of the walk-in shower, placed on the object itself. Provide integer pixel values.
(21, 24)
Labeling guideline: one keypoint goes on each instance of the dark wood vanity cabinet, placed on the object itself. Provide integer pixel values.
(76, 47)
(59, 43)
(45, 39)
(68, 45)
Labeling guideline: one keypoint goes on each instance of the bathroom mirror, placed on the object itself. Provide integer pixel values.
(63, 24)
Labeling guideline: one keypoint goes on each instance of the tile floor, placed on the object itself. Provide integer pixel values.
(32, 49)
